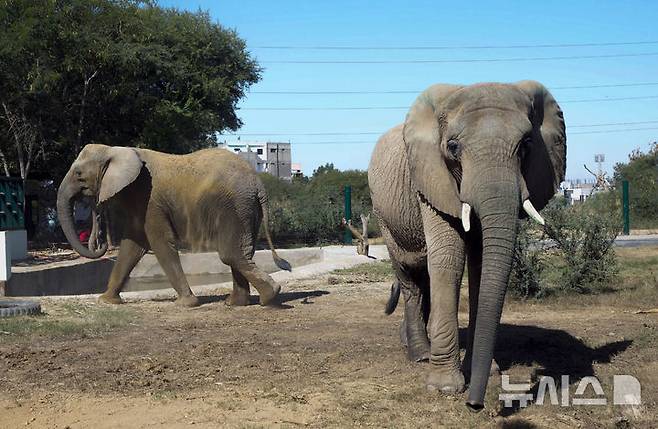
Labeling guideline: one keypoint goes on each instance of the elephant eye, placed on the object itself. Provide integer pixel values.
(453, 148)
(525, 145)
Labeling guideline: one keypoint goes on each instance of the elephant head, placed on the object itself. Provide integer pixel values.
(98, 173)
(495, 148)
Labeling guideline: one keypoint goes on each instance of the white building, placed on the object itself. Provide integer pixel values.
(265, 157)
(296, 169)
(577, 190)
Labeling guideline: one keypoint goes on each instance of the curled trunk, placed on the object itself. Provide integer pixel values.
(65, 201)
(498, 211)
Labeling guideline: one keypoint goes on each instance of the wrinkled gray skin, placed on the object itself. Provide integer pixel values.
(210, 200)
(492, 146)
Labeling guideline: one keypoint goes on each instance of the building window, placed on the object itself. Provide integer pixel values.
(273, 150)
(237, 149)
(259, 151)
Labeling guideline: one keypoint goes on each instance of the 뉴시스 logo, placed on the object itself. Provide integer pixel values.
(626, 391)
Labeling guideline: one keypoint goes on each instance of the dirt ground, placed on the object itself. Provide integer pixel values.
(328, 358)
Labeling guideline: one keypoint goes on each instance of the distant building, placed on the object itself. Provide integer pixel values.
(578, 190)
(265, 157)
(296, 170)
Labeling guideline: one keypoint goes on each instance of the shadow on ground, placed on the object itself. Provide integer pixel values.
(282, 299)
(553, 352)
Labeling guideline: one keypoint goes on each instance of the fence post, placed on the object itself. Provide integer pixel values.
(347, 239)
(625, 207)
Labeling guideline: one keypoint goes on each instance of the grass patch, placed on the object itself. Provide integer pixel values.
(380, 271)
(68, 319)
(636, 284)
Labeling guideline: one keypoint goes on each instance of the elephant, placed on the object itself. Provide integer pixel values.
(209, 200)
(447, 188)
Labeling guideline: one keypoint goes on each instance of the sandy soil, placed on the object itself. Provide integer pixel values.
(328, 358)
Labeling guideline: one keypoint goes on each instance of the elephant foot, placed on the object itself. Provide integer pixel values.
(450, 382)
(237, 300)
(269, 297)
(110, 298)
(188, 301)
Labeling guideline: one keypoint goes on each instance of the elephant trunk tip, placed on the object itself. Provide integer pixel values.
(474, 406)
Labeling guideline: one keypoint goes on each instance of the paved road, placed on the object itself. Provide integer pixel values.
(636, 240)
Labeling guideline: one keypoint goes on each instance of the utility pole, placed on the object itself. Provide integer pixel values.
(277, 161)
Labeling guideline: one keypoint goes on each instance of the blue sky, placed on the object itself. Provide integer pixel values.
(438, 23)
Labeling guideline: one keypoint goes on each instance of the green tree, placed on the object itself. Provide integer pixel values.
(118, 72)
(641, 171)
(309, 210)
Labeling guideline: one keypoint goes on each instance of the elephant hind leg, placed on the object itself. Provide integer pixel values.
(267, 287)
(413, 333)
(240, 294)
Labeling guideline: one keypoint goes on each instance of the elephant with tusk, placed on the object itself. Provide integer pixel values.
(448, 188)
(210, 200)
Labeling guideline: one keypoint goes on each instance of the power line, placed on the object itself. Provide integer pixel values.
(376, 133)
(615, 131)
(587, 100)
(620, 85)
(350, 142)
(448, 47)
(641, 97)
(465, 60)
(612, 124)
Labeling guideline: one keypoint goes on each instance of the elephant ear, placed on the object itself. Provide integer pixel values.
(122, 168)
(548, 151)
(422, 139)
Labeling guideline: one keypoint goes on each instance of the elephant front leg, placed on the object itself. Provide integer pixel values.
(130, 252)
(445, 260)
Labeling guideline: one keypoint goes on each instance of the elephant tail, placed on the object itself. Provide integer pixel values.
(262, 197)
(393, 299)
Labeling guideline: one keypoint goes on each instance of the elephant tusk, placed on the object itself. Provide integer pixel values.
(532, 212)
(466, 216)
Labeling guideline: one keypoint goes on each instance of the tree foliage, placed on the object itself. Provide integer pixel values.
(309, 210)
(641, 171)
(117, 72)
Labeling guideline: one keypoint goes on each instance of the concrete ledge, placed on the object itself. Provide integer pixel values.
(89, 277)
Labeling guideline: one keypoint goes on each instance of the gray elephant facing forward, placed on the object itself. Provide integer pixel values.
(492, 149)
(210, 200)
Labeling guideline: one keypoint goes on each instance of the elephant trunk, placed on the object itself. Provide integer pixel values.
(497, 206)
(65, 195)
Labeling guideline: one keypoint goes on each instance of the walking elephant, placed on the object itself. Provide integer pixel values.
(447, 187)
(210, 200)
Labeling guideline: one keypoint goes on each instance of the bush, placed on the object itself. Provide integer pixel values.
(572, 254)
(528, 266)
(584, 237)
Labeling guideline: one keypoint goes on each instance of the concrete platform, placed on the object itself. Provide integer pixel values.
(85, 277)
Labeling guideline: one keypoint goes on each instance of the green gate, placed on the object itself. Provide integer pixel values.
(12, 212)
